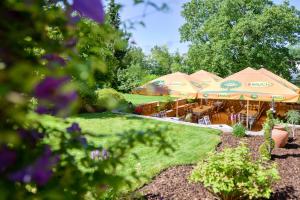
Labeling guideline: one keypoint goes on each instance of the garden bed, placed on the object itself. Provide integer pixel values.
(173, 184)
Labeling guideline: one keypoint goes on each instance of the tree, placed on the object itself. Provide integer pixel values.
(113, 17)
(295, 51)
(229, 35)
(161, 61)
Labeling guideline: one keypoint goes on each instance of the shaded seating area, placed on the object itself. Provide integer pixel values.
(242, 98)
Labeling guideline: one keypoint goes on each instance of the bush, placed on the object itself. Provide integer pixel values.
(239, 130)
(87, 97)
(232, 174)
(293, 117)
(109, 99)
(266, 148)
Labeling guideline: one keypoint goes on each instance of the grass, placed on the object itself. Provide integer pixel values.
(191, 143)
(141, 99)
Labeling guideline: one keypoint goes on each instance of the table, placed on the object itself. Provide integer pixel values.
(201, 110)
(251, 113)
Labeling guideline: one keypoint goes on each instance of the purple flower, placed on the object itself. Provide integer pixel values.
(39, 172)
(95, 154)
(50, 96)
(92, 9)
(74, 128)
(70, 43)
(105, 154)
(30, 136)
(48, 88)
(7, 158)
(82, 141)
(54, 59)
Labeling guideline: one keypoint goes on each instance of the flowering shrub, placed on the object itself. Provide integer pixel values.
(232, 174)
(39, 59)
(239, 130)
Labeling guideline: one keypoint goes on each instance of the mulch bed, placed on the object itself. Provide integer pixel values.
(173, 184)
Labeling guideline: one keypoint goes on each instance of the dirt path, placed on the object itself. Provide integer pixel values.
(173, 184)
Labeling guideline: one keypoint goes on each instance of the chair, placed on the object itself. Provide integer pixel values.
(207, 120)
(201, 121)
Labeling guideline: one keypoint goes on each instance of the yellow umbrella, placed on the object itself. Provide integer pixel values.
(203, 78)
(280, 80)
(176, 84)
(250, 84)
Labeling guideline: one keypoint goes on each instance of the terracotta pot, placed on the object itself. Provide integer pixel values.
(279, 127)
(280, 137)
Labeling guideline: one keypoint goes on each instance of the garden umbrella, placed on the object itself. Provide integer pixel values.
(280, 80)
(203, 78)
(176, 84)
(250, 84)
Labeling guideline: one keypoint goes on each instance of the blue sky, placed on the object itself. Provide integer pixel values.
(161, 27)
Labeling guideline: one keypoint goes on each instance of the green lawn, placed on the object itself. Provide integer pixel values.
(191, 143)
(141, 99)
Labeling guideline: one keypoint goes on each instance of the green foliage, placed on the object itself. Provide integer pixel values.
(162, 62)
(266, 148)
(109, 99)
(232, 174)
(112, 14)
(38, 34)
(88, 97)
(32, 104)
(293, 117)
(229, 35)
(145, 161)
(239, 130)
(131, 77)
(295, 51)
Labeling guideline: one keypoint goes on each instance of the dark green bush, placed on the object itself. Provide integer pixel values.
(110, 99)
(87, 97)
(239, 130)
(232, 174)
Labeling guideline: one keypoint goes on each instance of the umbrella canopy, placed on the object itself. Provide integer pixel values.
(176, 84)
(280, 80)
(250, 84)
(203, 78)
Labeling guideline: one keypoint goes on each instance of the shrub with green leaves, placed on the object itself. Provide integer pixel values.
(293, 117)
(266, 148)
(232, 174)
(110, 99)
(239, 130)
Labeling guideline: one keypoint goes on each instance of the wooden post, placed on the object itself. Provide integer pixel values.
(247, 120)
(176, 107)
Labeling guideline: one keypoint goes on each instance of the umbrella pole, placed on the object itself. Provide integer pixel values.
(247, 120)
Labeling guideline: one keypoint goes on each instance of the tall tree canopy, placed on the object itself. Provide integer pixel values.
(229, 35)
